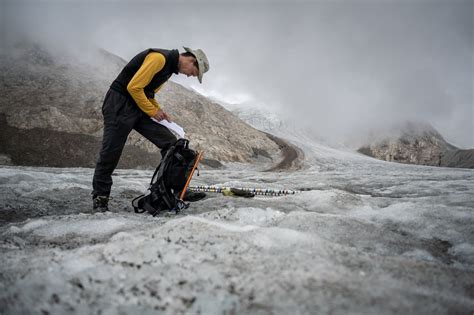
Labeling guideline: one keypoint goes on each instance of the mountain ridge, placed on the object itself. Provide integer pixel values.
(416, 143)
(65, 93)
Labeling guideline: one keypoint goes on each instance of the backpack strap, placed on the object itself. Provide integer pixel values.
(158, 179)
(190, 176)
(136, 202)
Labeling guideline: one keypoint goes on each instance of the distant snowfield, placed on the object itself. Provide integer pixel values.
(364, 237)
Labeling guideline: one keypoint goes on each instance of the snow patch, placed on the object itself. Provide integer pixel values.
(255, 216)
(77, 264)
(34, 224)
(327, 200)
(221, 225)
(419, 254)
(83, 227)
(464, 251)
(275, 237)
(265, 237)
(120, 236)
(400, 212)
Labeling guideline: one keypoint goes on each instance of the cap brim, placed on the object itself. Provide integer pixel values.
(200, 74)
(200, 65)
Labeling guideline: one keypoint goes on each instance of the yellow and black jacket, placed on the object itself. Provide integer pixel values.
(144, 75)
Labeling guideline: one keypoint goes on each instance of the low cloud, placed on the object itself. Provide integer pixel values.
(339, 68)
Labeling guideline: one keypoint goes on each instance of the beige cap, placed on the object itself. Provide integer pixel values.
(203, 63)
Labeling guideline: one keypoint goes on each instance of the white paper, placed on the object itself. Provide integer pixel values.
(172, 126)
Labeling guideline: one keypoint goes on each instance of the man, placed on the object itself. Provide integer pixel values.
(130, 104)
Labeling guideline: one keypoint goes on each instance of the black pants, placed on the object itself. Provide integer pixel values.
(121, 115)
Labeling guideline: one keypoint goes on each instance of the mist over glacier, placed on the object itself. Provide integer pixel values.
(339, 68)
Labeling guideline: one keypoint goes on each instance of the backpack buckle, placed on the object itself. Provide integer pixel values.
(180, 205)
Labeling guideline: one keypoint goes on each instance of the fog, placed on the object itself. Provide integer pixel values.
(339, 68)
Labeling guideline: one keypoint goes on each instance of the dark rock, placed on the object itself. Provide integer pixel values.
(39, 146)
(417, 143)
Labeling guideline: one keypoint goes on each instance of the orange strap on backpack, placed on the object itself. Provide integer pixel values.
(196, 162)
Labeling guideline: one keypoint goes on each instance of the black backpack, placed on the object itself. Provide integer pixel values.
(169, 180)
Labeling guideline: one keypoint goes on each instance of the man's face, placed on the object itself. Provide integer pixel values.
(189, 66)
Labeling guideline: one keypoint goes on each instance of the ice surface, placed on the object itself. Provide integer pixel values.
(221, 225)
(465, 251)
(364, 237)
(90, 227)
(249, 215)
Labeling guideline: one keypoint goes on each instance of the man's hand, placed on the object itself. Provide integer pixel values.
(160, 115)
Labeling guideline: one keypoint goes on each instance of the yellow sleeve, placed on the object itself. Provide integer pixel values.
(155, 103)
(152, 64)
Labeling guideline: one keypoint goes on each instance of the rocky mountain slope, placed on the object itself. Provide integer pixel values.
(50, 113)
(417, 143)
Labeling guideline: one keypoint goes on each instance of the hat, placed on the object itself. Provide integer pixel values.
(203, 63)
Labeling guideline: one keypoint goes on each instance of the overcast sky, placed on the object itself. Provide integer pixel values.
(339, 67)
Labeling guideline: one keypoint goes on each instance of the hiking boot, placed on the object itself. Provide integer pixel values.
(193, 196)
(100, 203)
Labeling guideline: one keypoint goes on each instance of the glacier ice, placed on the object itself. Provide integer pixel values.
(362, 236)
